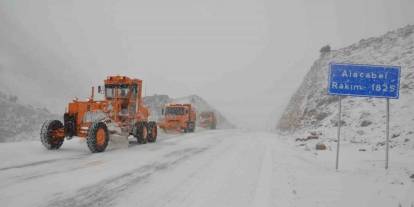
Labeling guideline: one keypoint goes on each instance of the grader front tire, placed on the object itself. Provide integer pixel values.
(98, 137)
(47, 137)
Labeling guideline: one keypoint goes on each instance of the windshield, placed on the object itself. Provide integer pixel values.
(109, 91)
(123, 91)
(134, 90)
(174, 111)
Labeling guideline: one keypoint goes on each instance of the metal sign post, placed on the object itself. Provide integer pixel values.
(339, 129)
(387, 131)
(376, 81)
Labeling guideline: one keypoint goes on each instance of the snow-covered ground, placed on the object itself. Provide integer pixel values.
(207, 168)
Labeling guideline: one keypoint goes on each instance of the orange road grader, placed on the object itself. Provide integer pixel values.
(178, 117)
(115, 118)
(208, 120)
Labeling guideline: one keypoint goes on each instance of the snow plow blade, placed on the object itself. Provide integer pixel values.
(118, 142)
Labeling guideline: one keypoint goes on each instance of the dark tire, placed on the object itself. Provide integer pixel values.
(190, 127)
(98, 137)
(140, 132)
(152, 131)
(213, 126)
(50, 142)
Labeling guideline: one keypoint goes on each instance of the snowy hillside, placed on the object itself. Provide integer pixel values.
(20, 122)
(156, 102)
(311, 109)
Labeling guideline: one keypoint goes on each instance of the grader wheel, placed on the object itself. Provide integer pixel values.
(98, 137)
(190, 127)
(49, 134)
(152, 131)
(141, 132)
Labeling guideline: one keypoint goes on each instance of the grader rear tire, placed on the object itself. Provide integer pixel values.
(140, 132)
(50, 142)
(152, 131)
(98, 137)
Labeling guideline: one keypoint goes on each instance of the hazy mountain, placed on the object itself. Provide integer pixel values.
(156, 102)
(18, 121)
(312, 109)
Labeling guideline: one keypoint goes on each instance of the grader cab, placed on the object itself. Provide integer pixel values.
(119, 115)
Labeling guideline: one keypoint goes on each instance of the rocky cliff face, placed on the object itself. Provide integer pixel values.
(312, 109)
(156, 102)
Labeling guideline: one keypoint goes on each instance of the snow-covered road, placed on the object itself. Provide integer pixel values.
(208, 168)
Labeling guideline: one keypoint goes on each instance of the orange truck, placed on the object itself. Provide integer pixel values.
(178, 117)
(120, 114)
(208, 120)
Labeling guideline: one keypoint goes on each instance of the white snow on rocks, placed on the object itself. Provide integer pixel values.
(20, 122)
(311, 109)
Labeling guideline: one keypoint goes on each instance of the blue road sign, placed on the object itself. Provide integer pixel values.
(364, 80)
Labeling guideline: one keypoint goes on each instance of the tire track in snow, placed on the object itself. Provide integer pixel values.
(104, 192)
(165, 140)
(131, 144)
(42, 162)
(32, 171)
(263, 190)
(205, 182)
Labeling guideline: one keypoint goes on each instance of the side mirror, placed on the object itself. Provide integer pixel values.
(162, 111)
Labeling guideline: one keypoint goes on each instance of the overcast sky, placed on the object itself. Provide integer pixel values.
(245, 57)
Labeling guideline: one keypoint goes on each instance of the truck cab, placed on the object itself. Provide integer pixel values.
(208, 120)
(178, 117)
